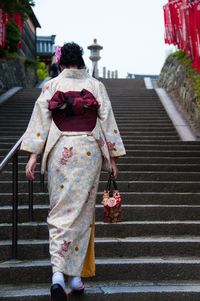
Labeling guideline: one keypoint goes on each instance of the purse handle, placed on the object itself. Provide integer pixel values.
(111, 180)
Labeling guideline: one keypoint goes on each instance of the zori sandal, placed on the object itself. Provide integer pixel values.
(58, 293)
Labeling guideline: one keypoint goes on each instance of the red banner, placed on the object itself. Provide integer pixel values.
(18, 20)
(3, 20)
(182, 27)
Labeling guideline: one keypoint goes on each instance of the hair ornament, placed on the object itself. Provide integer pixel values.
(58, 53)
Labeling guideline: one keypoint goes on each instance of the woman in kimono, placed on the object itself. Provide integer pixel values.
(73, 126)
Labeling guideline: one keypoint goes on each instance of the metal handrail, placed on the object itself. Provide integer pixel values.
(13, 155)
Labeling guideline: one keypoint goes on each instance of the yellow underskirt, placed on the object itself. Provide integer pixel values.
(89, 262)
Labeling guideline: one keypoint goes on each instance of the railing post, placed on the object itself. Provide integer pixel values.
(30, 196)
(15, 206)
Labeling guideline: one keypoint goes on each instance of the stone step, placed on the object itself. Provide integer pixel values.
(135, 167)
(131, 186)
(138, 160)
(130, 247)
(124, 130)
(121, 124)
(39, 230)
(128, 198)
(157, 160)
(6, 146)
(8, 142)
(138, 135)
(128, 141)
(112, 291)
(130, 213)
(158, 136)
(135, 133)
(126, 175)
(108, 269)
(162, 147)
(138, 111)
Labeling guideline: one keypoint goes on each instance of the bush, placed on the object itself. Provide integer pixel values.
(41, 70)
(30, 63)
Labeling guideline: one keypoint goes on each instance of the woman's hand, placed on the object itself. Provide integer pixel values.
(30, 167)
(115, 169)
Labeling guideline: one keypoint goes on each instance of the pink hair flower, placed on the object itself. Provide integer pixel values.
(58, 53)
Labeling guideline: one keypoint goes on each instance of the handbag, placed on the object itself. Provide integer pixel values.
(112, 202)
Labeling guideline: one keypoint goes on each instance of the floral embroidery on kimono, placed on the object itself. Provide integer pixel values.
(111, 146)
(66, 154)
(64, 248)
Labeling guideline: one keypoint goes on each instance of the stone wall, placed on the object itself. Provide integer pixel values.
(174, 79)
(14, 73)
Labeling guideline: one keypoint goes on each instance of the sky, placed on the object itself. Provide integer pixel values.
(130, 31)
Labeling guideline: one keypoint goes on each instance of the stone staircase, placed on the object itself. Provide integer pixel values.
(154, 254)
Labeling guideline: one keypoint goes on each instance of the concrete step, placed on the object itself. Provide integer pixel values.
(126, 175)
(39, 230)
(6, 146)
(133, 160)
(132, 133)
(124, 130)
(112, 291)
(130, 247)
(130, 213)
(130, 186)
(129, 198)
(6, 143)
(148, 167)
(129, 141)
(162, 147)
(108, 269)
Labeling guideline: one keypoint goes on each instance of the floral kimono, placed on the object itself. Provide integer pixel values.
(73, 161)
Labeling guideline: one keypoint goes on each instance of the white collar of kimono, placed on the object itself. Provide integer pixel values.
(74, 73)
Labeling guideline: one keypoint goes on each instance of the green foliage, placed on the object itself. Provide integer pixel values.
(21, 6)
(41, 70)
(12, 36)
(5, 54)
(30, 63)
(192, 74)
(181, 55)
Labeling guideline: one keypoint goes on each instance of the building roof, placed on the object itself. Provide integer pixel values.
(46, 38)
(34, 19)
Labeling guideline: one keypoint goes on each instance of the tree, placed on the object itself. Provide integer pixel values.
(21, 6)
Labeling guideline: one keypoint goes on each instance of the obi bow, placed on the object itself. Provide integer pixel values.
(74, 102)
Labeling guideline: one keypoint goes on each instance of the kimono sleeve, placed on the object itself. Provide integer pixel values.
(109, 125)
(38, 128)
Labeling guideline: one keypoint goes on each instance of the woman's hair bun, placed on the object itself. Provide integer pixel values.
(71, 55)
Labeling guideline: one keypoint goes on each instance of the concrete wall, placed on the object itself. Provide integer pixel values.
(13, 73)
(174, 79)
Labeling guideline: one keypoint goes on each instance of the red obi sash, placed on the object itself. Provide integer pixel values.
(74, 111)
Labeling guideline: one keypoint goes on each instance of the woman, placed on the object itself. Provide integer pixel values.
(73, 125)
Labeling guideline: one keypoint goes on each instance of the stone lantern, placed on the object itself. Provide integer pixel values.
(95, 56)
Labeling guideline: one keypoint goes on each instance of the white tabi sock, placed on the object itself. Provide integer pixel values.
(75, 283)
(58, 278)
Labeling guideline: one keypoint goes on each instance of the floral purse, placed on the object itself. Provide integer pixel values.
(112, 202)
